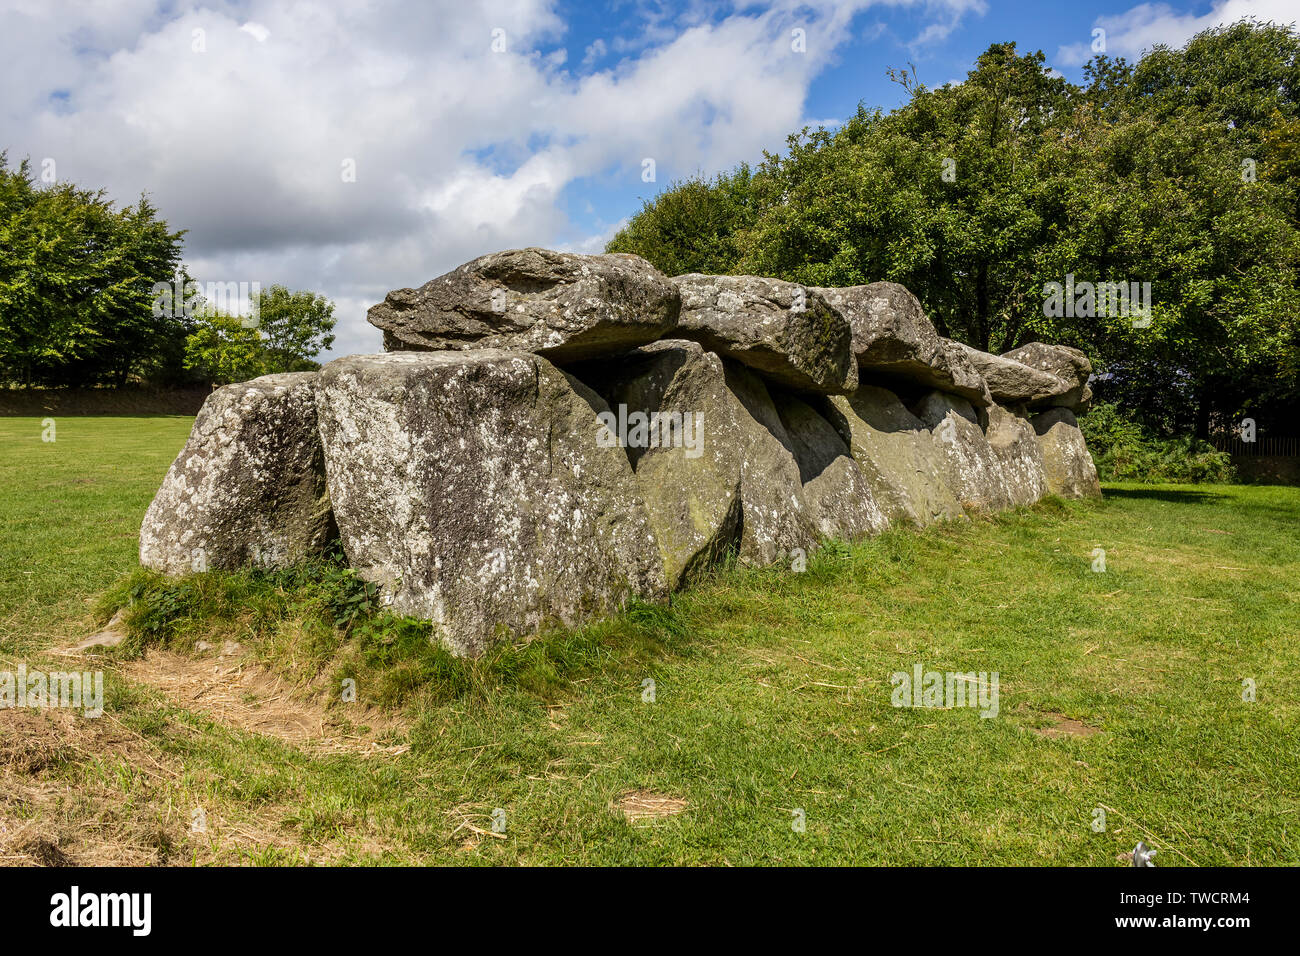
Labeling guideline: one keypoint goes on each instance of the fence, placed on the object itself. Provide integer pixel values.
(1262, 447)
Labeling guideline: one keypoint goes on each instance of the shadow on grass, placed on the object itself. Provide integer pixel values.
(1164, 494)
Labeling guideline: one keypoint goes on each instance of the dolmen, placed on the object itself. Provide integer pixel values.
(548, 436)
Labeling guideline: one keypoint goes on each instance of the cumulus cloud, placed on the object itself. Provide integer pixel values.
(1137, 30)
(351, 147)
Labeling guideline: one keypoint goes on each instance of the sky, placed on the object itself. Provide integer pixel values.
(357, 146)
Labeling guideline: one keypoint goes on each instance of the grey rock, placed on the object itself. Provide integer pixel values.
(476, 488)
(893, 337)
(897, 454)
(971, 468)
(688, 461)
(785, 332)
(1014, 442)
(776, 520)
(249, 486)
(565, 306)
(1068, 365)
(1067, 465)
(1011, 382)
(839, 498)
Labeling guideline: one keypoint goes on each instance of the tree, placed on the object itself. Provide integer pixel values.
(223, 349)
(281, 333)
(296, 325)
(976, 196)
(76, 280)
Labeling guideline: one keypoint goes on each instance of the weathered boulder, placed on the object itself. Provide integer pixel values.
(1011, 382)
(785, 332)
(1015, 444)
(971, 469)
(893, 337)
(1068, 365)
(473, 487)
(775, 518)
(686, 435)
(558, 304)
(249, 485)
(839, 498)
(897, 454)
(1068, 468)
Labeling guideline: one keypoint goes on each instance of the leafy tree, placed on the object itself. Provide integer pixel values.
(76, 281)
(977, 195)
(296, 325)
(693, 226)
(223, 349)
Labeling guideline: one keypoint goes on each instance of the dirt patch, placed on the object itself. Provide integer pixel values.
(1063, 726)
(239, 693)
(51, 816)
(648, 805)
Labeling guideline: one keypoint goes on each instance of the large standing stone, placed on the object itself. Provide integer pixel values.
(1012, 382)
(564, 306)
(1014, 442)
(249, 485)
(892, 336)
(838, 495)
(1068, 365)
(775, 517)
(686, 435)
(476, 488)
(1067, 464)
(897, 455)
(972, 470)
(784, 331)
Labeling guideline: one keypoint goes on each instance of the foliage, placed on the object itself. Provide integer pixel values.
(223, 349)
(280, 334)
(1179, 171)
(1126, 451)
(296, 326)
(76, 281)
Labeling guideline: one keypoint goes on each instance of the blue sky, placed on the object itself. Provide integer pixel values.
(472, 127)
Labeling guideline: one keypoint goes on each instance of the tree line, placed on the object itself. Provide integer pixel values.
(96, 295)
(1019, 206)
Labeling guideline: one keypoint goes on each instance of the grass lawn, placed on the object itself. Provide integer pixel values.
(1119, 690)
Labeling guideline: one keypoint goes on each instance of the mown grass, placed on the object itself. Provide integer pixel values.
(771, 690)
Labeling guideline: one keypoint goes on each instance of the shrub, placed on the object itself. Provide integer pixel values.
(1125, 451)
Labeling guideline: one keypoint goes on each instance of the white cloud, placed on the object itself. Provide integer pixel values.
(1137, 30)
(246, 139)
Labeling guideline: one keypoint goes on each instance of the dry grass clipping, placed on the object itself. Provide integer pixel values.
(640, 805)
